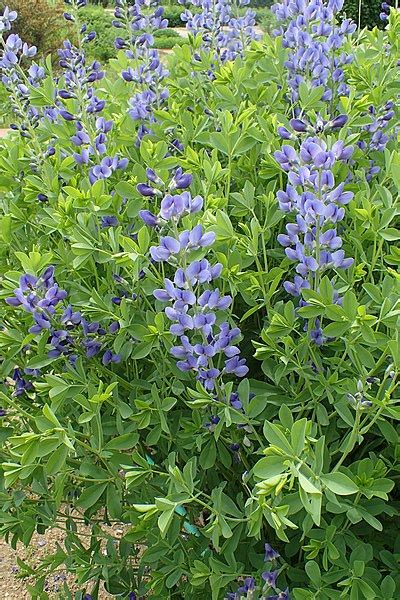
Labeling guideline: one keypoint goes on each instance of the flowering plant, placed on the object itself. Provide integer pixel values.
(199, 307)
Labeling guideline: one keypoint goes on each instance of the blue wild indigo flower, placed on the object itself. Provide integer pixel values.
(384, 14)
(316, 201)
(136, 25)
(79, 92)
(376, 134)
(19, 82)
(195, 307)
(250, 590)
(224, 31)
(68, 331)
(314, 42)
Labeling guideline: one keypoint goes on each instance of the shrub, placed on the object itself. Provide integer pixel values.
(173, 14)
(370, 10)
(100, 21)
(40, 23)
(171, 33)
(166, 42)
(103, 3)
(199, 303)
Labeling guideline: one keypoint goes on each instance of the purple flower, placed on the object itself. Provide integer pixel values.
(148, 218)
(298, 125)
(339, 121)
(281, 596)
(181, 180)
(109, 357)
(109, 221)
(249, 585)
(270, 553)
(270, 578)
(145, 190)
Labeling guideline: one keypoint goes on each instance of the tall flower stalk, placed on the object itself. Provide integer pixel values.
(137, 24)
(205, 341)
(315, 193)
(316, 200)
(82, 106)
(224, 31)
(19, 81)
(314, 41)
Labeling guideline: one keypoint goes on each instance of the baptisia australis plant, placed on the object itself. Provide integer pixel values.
(82, 106)
(195, 306)
(224, 31)
(146, 72)
(68, 331)
(314, 41)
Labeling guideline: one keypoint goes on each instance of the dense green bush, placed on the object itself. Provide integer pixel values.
(100, 21)
(199, 306)
(162, 33)
(104, 3)
(173, 14)
(103, 47)
(166, 42)
(369, 15)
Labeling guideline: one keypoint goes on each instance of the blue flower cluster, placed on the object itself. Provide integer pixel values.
(376, 135)
(147, 71)
(223, 30)
(384, 14)
(83, 105)
(314, 41)
(19, 82)
(195, 307)
(317, 202)
(249, 588)
(20, 381)
(68, 331)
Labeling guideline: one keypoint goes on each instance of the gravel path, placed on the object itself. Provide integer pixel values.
(13, 587)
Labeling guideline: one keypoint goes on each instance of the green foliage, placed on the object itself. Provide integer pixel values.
(173, 14)
(298, 465)
(100, 21)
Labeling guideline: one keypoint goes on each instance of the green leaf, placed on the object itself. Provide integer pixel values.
(270, 466)
(307, 485)
(165, 520)
(391, 234)
(126, 190)
(123, 442)
(277, 438)
(340, 484)
(91, 495)
(57, 460)
(208, 455)
(298, 436)
(142, 350)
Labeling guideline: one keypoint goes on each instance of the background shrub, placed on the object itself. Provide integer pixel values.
(173, 14)
(39, 23)
(103, 3)
(166, 42)
(370, 10)
(100, 21)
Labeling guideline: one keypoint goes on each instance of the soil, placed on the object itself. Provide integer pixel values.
(13, 587)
